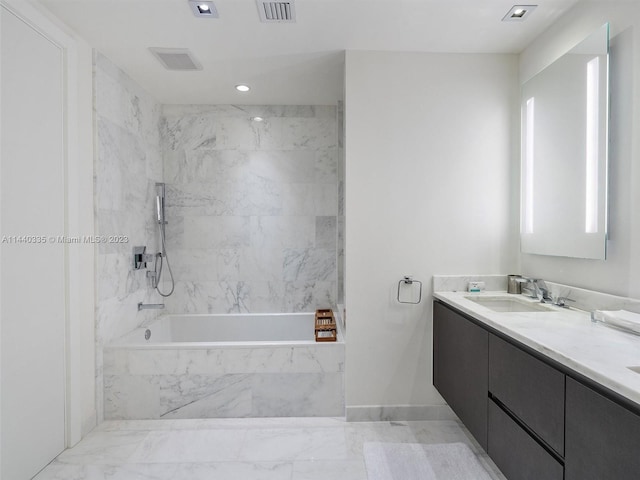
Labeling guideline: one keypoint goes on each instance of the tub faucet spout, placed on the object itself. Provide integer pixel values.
(146, 306)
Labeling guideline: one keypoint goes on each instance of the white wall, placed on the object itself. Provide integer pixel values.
(429, 158)
(620, 273)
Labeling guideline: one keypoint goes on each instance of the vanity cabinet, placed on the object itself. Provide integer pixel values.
(536, 418)
(460, 357)
(603, 437)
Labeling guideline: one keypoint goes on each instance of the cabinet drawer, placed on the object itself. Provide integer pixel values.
(517, 455)
(603, 437)
(532, 390)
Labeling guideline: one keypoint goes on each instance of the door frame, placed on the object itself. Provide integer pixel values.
(80, 404)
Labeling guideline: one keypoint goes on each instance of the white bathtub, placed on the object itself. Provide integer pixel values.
(213, 366)
(195, 331)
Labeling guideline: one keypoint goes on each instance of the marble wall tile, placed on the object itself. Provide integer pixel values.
(298, 395)
(275, 233)
(226, 396)
(309, 133)
(216, 232)
(265, 111)
(260, 197)
(218, 382)
(251, 207)
(326, 166)
(308, 296)
(128, 163)
(326, 232)
(309, 199)
(210, 297)
(189, 132)
(309, 265)
(127, 396)
(225, 360)
(205, 396)
(340, 155)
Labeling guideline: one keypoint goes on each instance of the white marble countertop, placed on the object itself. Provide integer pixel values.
(568, 336)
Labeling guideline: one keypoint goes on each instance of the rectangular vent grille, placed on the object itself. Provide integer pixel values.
(276, 11)
(179, 59)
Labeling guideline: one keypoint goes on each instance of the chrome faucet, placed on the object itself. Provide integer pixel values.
(536, 288)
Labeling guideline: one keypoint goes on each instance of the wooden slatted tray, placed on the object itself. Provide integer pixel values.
(326, 329)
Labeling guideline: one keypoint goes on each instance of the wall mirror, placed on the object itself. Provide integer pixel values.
(565, 112)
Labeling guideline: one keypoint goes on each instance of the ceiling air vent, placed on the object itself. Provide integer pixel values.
(276, 11)
(176, 58)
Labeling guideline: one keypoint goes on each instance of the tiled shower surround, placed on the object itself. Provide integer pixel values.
(252, 210)
(252, 207)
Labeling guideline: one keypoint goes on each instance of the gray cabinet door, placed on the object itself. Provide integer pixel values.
(532, 390)
(602, 437)
(517, 455)
(460, 368)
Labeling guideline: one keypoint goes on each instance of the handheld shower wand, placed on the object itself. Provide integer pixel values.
(162, 256)
(160, 196)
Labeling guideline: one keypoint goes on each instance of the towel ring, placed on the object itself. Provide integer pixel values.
(407, 280)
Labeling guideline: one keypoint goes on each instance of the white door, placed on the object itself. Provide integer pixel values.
(32, 276)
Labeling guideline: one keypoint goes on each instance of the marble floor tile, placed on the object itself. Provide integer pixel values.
(187, 446)
(63, 472)
(329, 469)
(170, 471)
(235, 471)
(277, 444)
(243, 449)
(104, 448)
(442, 431)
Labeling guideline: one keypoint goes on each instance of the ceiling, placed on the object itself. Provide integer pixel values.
(288, 63)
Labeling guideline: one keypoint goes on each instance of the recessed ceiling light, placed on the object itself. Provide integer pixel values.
(203, 8)
(518, 13)
(243, 88)
(257, 119)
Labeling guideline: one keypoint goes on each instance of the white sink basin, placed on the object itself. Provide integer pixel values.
(509, 304)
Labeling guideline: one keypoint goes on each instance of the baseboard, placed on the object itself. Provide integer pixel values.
(386, 413)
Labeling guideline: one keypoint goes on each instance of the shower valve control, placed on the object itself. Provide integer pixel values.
(141, 258)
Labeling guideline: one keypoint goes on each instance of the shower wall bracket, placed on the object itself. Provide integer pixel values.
(141, 258)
